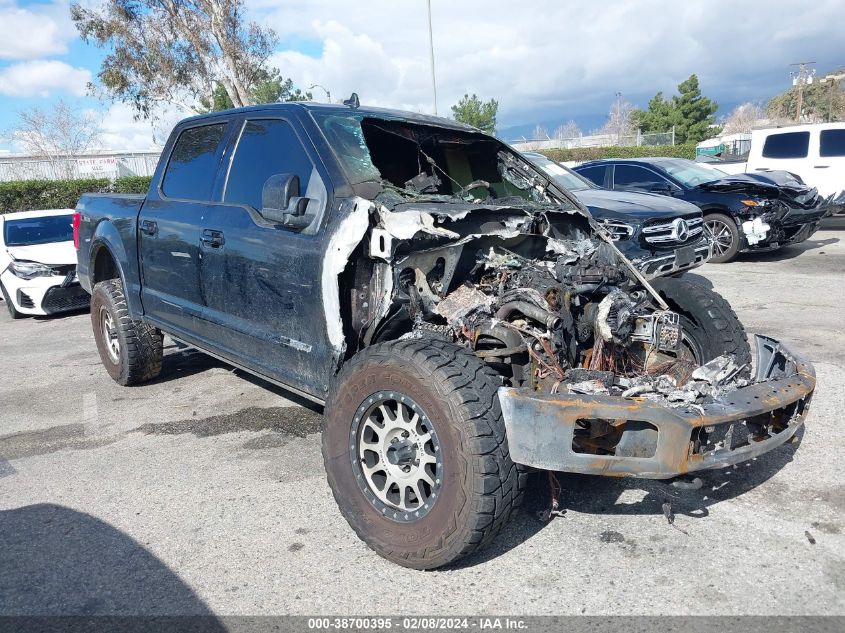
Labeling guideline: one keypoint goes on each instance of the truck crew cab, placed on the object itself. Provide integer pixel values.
(459, 314)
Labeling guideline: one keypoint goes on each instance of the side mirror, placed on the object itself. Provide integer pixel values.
(663, 188)
(277, 192)
(281, 202)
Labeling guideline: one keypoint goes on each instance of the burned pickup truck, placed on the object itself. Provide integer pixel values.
(460, 315)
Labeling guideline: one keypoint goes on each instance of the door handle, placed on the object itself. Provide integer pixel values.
(212, 238)
(821, 166)
(149, 227)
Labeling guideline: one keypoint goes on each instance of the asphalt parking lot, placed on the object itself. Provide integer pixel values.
(204, 492)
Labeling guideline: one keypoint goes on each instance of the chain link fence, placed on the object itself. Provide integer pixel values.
(595, 140)
(106, 165)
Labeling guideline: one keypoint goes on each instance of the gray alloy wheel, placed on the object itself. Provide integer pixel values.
(396, 458)
(725, 237)
(110, 337)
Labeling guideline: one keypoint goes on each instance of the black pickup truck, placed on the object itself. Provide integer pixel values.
(459, 314)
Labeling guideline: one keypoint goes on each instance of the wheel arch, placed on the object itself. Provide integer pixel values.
(103, 264)
(710, 209)
(113, 255)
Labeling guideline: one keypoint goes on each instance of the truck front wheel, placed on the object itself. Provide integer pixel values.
(130, 350)
(415, 452)
(711, 327)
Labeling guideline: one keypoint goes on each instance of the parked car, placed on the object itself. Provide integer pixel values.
(744, 212)
(660, 235)
(38, 263)
(459, 313)
(814, 152)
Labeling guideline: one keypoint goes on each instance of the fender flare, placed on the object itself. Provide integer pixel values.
(106, 236)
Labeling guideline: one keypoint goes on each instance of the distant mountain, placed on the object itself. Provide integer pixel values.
(586, 122)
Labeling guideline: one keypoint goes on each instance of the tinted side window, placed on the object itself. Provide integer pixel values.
(192, 167)
(633, 177)
(832, 143)
(266, 147)
(787, 145)
(596, 174)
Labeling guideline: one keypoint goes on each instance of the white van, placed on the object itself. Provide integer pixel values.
(815, 152)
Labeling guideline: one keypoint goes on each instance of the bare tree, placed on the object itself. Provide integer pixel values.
(568, 130)
(743, 118)
(539, 133)
(175, 51)
(619, 124)
(55, 133)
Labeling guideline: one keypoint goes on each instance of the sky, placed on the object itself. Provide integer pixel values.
(545, 62)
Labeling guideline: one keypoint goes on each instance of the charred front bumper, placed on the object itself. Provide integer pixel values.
(656, 440)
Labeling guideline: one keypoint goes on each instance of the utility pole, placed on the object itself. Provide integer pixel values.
(832, 79)
(799, 79)
(431, 50)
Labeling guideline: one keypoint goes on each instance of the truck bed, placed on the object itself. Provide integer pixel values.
(110, 220)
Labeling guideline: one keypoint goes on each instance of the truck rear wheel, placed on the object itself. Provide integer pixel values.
(710, 325)
(131, 351)
(415, 452)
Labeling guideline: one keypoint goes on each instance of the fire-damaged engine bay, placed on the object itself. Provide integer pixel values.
(554, 313)
(503, 264)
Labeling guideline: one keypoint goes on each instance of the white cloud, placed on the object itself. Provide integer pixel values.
(359, 62)
(41, 78)
(120, 131)
(35, 30)
(539, 58)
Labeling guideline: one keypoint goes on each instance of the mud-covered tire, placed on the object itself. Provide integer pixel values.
(137, 356)
(707, 318)
(723, 227)
(13, 311)
(481, 486)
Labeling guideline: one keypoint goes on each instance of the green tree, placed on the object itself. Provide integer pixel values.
(175, 51)
(823, 100)
(268, 87)
(472, 111)
(659, 117)
(696, 113)
(689, 112)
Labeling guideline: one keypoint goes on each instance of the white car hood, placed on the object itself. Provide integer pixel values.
(53, 253)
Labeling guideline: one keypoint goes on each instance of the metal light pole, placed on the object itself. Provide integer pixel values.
(324, 89)
(431, 50)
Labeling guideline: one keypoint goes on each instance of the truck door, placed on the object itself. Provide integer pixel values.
(169, 230)
(260, 280)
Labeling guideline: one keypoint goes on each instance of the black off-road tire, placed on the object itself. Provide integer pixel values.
(13, 312)
(729, 225)
(481, 487)
(708, 320)
(140, 346)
